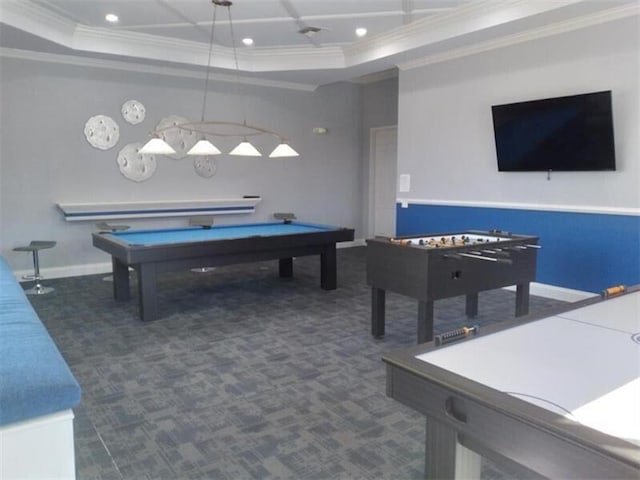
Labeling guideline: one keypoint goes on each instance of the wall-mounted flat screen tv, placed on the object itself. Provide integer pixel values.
(573, 133)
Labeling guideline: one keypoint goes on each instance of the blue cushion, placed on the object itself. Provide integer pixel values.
(34, 378)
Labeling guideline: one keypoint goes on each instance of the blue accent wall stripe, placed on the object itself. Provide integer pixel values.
(582, 251)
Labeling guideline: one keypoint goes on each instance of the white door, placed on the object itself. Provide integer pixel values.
(382, 196)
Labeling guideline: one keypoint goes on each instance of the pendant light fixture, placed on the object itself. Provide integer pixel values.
(206, 128)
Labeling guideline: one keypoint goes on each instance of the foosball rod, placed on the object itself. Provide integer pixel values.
(478, 257)
(497, 252)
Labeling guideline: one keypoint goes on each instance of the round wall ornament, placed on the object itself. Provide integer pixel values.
(136, 166)
(181, 140)
(205, 166)
(133, 111)
(101, 132)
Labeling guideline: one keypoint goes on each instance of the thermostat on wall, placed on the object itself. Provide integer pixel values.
(404, 184)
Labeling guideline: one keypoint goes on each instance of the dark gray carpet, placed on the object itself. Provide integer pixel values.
(247, 376)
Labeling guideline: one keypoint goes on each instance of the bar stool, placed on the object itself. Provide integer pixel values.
(204, 222)
(104, 227)
(286, 217)
(34, 247)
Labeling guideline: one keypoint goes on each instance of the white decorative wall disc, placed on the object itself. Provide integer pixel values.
(205, 166)
(135, 166)
(180, 140)
(133, 111)
(102, 132)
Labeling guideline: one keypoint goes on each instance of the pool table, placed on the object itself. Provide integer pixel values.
(151, 252)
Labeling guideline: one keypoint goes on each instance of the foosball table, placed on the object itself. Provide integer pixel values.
(437, 266)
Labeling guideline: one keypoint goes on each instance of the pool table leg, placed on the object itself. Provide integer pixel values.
(120, 280)
(147, 291)
(328, 268)
(285, 267)
(522, 299)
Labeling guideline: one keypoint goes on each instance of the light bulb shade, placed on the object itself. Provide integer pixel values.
(245, 149)
(156, 146)
(204, 147)
(283, 150)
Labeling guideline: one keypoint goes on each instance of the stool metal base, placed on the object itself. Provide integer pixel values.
(34, 247)
(39, 290)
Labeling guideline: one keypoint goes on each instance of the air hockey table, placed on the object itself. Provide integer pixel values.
(554, 397)
(151, 252)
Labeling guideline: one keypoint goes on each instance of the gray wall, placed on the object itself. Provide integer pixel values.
(445, 134)
(45, 159)
(380, 104)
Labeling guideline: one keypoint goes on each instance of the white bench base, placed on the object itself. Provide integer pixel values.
(39, 448)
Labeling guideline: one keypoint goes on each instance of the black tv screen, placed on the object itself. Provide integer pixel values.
(573, 133)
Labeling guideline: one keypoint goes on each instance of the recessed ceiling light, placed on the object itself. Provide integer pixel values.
(361, 32)
(247, 41)
(111, 17)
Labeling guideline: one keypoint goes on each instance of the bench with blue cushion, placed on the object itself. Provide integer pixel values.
(34, 378)
(37, 393)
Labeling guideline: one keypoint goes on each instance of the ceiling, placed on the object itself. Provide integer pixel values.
(401, 33)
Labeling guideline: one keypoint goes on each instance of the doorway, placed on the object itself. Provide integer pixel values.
(382, 180)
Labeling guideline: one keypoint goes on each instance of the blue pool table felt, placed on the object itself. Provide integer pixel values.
(222, 232)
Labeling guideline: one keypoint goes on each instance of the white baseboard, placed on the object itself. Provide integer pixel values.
(64, 272)
(556, 293)
(538, 289)
(358, 242)
(98, 268)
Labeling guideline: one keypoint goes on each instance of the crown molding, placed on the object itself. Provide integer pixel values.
(295, 58)
(446, 25)
(439, 26)
(153, 47)
(309, 19)
(50, 26)
(529, 35)
(132, 44)
(376, 77)
(435, 28)
(32, 18)
(433, 31)
(28, 55)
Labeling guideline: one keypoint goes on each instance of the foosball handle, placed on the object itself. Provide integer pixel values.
(455, 335)
(611, 291)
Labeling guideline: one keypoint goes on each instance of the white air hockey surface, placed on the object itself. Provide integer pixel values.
(583, 364)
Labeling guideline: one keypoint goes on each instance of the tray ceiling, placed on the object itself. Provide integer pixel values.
(401, 33)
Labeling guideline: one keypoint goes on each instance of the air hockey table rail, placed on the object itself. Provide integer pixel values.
(552, 397)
